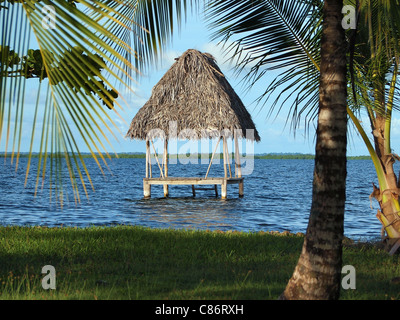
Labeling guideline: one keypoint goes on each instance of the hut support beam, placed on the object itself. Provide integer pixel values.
(193, 190)
(147, 158)
(146, 189)
(156, 156)
(166, 192)
(238, 165)
(224, 156)
(212, 157)
(228, 158)
(224, 189)
(147, 186)
(241, 189)
(150, 166)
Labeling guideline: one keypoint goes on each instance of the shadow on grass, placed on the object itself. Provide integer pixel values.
(139, 263)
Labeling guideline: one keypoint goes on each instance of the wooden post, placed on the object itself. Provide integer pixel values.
(224, 155)
(147, 158)
(166, 193)
(150, 166)
(224, 189)
(216, 190)
(228, 158)
(156, 156)
(146, 189)
(146, 185)
(241, 189)
(193, 190)
(212, 157)
(238, 165)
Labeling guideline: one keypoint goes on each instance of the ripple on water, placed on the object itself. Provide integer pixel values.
(277, 197)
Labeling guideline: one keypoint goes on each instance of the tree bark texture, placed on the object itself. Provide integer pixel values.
(318, 272)
(387, 195)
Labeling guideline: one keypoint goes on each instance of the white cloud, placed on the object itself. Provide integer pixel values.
(223, 54)
(395, 125)
(169, 57)
(219, 53)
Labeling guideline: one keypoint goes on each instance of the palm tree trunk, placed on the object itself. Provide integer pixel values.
(318, 271)
(387, 194)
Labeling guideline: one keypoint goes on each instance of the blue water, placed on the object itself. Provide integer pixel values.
(277, 198)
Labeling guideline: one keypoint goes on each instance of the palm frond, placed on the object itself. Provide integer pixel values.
(281, 36)
(154, 23)
(80, 60)
(376, 52)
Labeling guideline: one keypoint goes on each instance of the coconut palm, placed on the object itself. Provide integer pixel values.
(85, 53)
(317, 274)
(287, 35)
(375, 90)
(278, 35)
(373, 66)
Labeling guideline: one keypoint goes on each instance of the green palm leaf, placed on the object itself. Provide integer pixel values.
(154, 21)
(81, 61)
(274, 35)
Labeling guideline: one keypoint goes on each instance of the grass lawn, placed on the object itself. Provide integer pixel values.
(126, 262)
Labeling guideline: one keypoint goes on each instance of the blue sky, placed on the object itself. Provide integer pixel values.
(275, 137)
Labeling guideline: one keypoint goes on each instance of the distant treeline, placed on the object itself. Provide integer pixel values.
(285, 156)
(199, 156)
(303, 156)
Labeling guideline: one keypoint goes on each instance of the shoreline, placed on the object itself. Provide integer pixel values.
(122, 155)
(376, 241)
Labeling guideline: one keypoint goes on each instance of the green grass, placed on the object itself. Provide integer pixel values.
(125, 262)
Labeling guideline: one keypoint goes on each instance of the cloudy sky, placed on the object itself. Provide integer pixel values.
(275, 136)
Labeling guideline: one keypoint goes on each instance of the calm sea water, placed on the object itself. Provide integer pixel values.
(277, 197)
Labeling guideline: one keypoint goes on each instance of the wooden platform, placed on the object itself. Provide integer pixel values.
(193, 181)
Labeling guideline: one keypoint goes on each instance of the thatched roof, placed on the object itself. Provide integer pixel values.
(193, 95)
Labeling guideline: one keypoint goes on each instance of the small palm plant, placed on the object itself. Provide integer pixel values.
(375, 90)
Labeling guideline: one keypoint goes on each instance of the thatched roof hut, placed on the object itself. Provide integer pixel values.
(195, 95)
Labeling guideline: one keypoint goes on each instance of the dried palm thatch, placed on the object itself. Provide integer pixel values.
(194, 100)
